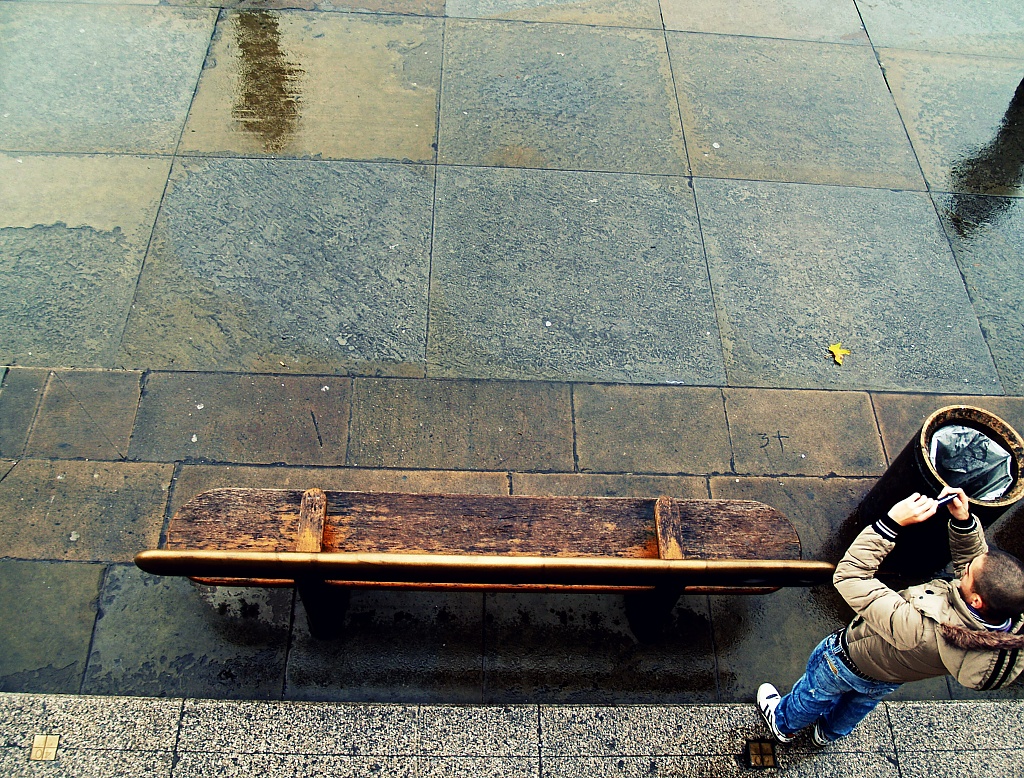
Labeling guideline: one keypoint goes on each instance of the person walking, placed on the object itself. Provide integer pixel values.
(971, 628)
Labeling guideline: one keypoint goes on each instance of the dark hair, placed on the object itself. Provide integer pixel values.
(1000, 584)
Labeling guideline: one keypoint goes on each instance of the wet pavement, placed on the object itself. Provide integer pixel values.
(494, 247)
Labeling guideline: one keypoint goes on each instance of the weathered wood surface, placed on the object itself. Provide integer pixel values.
(269, 520)
(312, 514)
(278, 521)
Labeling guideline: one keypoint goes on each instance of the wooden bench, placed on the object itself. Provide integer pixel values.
(318, 541)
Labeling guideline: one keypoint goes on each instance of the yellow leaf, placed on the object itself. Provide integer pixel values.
(838, 352)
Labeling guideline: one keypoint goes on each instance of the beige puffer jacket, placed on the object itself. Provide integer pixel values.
(927, 630)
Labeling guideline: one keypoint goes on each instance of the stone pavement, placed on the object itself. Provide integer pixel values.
(485, 246)
(203, 738)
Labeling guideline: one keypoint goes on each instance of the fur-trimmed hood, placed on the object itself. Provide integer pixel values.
(977, 640)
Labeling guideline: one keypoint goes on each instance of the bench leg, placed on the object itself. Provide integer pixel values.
(325, 608)
(647, 612)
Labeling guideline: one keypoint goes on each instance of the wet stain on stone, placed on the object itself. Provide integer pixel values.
(268, 99)
(996, 167)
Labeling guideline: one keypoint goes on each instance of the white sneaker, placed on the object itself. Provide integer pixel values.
(818, 737)
(767, 700)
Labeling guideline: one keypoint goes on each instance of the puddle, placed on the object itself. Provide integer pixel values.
(268, 99)
(997, 167)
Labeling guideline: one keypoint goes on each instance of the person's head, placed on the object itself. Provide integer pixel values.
(993, 584)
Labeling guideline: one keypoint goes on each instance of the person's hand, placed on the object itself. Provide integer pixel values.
(959, 509)
(913, 509)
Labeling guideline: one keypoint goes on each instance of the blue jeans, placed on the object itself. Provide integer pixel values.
(829, 692)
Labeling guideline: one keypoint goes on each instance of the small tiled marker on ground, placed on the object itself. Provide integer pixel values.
(761, 753)
(44, 748)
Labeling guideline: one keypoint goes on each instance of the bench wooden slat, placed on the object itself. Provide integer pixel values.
(312, 512)
(279, 521)
(269, 520)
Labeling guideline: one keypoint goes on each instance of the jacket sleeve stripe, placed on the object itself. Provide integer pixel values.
(999, 672)
(887, 528)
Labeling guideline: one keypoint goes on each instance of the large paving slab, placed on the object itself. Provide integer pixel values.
(272, 87)
(595, 485)
(824, 113)
(165, 637)
(229, 284)
(246, 726)
(651, 429)
(964, 116)
(901, 416)
(394, 646)
(73, 236)
(480, 730)
(98, 77)
(918, 726)
(946, 25)
(92, 723)
(195, 479)
(82, 511)
(461, 425)
(814, 20)
(612, 13)
(987, 235)
(88, 763)
(558, 96)
(796, 432)
(226, 417)
(796, 268)
(21, 391)
(570, 276)
(45, 646)
(86, 414)
(232, 765)
(992, 762)
(563, 648)
(588, 731)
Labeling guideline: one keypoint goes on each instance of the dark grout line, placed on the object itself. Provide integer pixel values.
(175, 756)
(675, 92)
(143, 380)
(878, 429)
(572, 424)
(433, 196)
(540, 743)
(963, 279)
(35, 412)
(9, 470)
(168, 512)
(483, 648)
(892, 738)
(290, 642)
(95, 627)
(351, 416)
(714, 645)
(147, 372)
